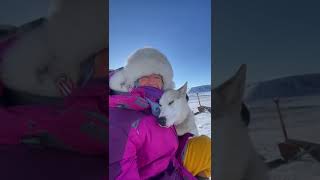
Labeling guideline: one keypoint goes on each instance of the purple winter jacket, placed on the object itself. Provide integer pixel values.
(138, 147)
(63, 141)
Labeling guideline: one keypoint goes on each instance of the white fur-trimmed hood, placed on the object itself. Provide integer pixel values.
(145, 61)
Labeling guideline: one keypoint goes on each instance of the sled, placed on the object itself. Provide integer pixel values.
(204, 109)
(311, 148)
(292, 149)
(201, 108)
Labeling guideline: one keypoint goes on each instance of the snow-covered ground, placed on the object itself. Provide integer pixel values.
(302, 119)
(203, 120)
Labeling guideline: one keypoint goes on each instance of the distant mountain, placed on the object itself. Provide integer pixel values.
(200, 89)
(299, 85)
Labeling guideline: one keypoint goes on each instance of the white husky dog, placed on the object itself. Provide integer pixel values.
(74, 30)
(174, 110)
(234, 157)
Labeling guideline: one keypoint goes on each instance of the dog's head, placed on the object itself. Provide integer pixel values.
(228, 129)
(174, 107)
(233, 149)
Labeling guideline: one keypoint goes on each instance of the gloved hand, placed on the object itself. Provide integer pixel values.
(65, 85)
(155, 107)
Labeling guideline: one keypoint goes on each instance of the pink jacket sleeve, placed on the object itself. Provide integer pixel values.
(129, 166)
(79, 124)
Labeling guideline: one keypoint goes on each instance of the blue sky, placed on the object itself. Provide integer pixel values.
(179, 29)
(275, 38)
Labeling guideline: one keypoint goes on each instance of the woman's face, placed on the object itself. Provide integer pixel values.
(153, 80)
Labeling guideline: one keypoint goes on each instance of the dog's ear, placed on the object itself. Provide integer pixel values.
(230, 93)
(183, 90)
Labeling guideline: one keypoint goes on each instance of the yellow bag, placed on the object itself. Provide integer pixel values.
(197, 158)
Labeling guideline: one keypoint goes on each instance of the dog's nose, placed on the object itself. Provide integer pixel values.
(162, 121)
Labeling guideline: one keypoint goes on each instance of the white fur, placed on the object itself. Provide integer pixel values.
(54, 48)
(118, 82)
(145, 61)
(234, 157)
(178, 113)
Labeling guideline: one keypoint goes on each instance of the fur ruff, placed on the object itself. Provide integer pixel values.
(143, 62)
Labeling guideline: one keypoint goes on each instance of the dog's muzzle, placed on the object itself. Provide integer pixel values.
(162, 121)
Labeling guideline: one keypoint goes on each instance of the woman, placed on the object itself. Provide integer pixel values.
(66, 139)
(138, 147)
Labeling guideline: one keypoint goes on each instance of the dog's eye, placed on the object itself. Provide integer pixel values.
(170, 102)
